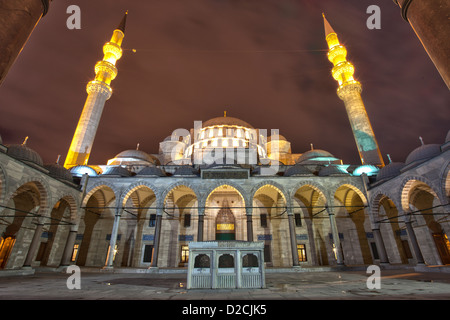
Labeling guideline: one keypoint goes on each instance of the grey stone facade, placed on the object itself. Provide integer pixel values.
(327, 217)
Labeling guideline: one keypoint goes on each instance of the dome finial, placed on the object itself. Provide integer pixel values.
(389, 158)
(224, 114)
(57, 159)
(137, 147)
(24, 143)
(421, 141)
(312, 146)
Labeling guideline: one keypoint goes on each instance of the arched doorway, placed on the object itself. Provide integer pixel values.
(225, 214)
(430, 222)
(271, 225)
(392, 230)
(138, 220)
(56, 231)
(95, 227)
(225, 223)
(20, 222)
(310, 204)
(179, 226)
(357, 241)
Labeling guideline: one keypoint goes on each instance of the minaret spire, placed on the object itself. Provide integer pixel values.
(349, 91)
(98, 90)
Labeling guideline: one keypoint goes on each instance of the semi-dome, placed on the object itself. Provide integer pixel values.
(79, 171)
(315, 156)
(58, 172)
(423, 153)
(226, 121)
(297, 170)
(23, 153)
(390, 171)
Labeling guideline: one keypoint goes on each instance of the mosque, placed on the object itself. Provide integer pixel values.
(223, 179)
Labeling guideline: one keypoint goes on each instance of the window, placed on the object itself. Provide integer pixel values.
(184, 254)
(301, 249)
(75, 252)
(267, 250)
(148, 253)
(373, 246)
(263, 218)
(226, 261)
(202, 261)
(187, 220)
(250, 261)
(298, 220)
(152, 221)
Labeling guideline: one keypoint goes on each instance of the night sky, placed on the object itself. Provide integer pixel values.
(263, 61)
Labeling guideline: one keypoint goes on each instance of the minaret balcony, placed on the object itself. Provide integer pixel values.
(99, 87)
(106, 70)
(343, 70)
(337, 54)
(112, 52)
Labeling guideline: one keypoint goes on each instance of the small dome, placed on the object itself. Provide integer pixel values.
(151, 171)
(129, 156)
(276, 137)
(368, 169)
(316, 155)
(58, 172)
(297, 170)
(22, 152)
(185, 171)
(423, 153)
(79, 171)
(116, 171)
(332, 171)
(226, 121)
(390, 171)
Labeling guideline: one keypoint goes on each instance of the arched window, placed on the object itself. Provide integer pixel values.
(226, 261)
(202, 261)
(249, 261)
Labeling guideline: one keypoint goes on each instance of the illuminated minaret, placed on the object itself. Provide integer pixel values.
(98, 90)
(349, 91)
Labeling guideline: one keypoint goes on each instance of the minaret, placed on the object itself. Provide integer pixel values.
(349, 91)
(98, 90)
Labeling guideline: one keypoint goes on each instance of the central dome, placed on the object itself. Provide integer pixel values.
(226, 121)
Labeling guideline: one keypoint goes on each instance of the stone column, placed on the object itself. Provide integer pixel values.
(68, 249)
(113, 240)
(335, 234)
(156, 239)
(33, 245)
(18, 19)
(201, 219)
(380, 246)
(413, 239)
(429, 20)
(249, 214)
(293, 237)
